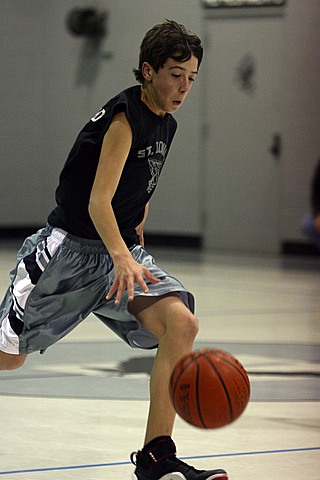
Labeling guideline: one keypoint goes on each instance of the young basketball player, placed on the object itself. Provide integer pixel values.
(91, 257)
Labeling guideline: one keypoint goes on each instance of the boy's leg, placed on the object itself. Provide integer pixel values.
(11, 362)
(176, 328)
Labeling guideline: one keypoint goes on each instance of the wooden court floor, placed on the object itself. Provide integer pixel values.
(79, 410)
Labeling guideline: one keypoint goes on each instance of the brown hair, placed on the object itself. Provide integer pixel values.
(167, 40)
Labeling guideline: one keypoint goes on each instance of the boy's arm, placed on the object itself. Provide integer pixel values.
(140, 227)
(114, 153)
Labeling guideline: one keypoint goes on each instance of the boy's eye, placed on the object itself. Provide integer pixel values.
(177, 75)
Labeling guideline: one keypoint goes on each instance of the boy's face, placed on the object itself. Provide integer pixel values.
(168, 88)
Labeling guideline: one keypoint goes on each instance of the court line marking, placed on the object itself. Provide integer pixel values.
(113, 464)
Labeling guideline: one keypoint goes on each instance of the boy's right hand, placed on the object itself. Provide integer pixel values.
(128, 272)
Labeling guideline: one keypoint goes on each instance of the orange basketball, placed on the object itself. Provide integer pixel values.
(209, 388)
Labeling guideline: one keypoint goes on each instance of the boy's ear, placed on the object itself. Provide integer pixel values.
(146, 71)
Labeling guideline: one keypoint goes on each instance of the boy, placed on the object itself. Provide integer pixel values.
(91, 257)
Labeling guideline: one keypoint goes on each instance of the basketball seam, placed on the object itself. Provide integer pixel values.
(245, 377)
(197, 394)
(223, 385)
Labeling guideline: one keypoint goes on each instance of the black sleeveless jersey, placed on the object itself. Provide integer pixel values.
(152, 137)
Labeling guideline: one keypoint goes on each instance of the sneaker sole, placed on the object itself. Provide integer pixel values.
(180, 476)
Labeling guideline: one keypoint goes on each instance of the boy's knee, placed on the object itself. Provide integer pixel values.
(11, 362)
(193, 325)
(187, 325)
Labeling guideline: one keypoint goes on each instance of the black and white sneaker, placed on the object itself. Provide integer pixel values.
(158, 461)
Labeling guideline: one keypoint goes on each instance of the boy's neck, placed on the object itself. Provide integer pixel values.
(146, 97)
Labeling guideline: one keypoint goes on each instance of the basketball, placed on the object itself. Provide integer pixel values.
(209, 388)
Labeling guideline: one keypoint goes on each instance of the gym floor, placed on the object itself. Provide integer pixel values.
(79, 410)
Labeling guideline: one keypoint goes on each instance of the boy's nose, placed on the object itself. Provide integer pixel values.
(184, 87)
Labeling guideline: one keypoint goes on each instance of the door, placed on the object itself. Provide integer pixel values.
(242, 67)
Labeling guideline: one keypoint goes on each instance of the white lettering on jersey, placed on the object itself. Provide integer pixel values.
(161, 147)
(98, 115)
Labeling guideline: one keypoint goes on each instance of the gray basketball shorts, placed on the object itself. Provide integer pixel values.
(59, 280)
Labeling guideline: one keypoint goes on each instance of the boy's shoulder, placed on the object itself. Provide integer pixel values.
(126, 96)
(125, 101)
(129, 101)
